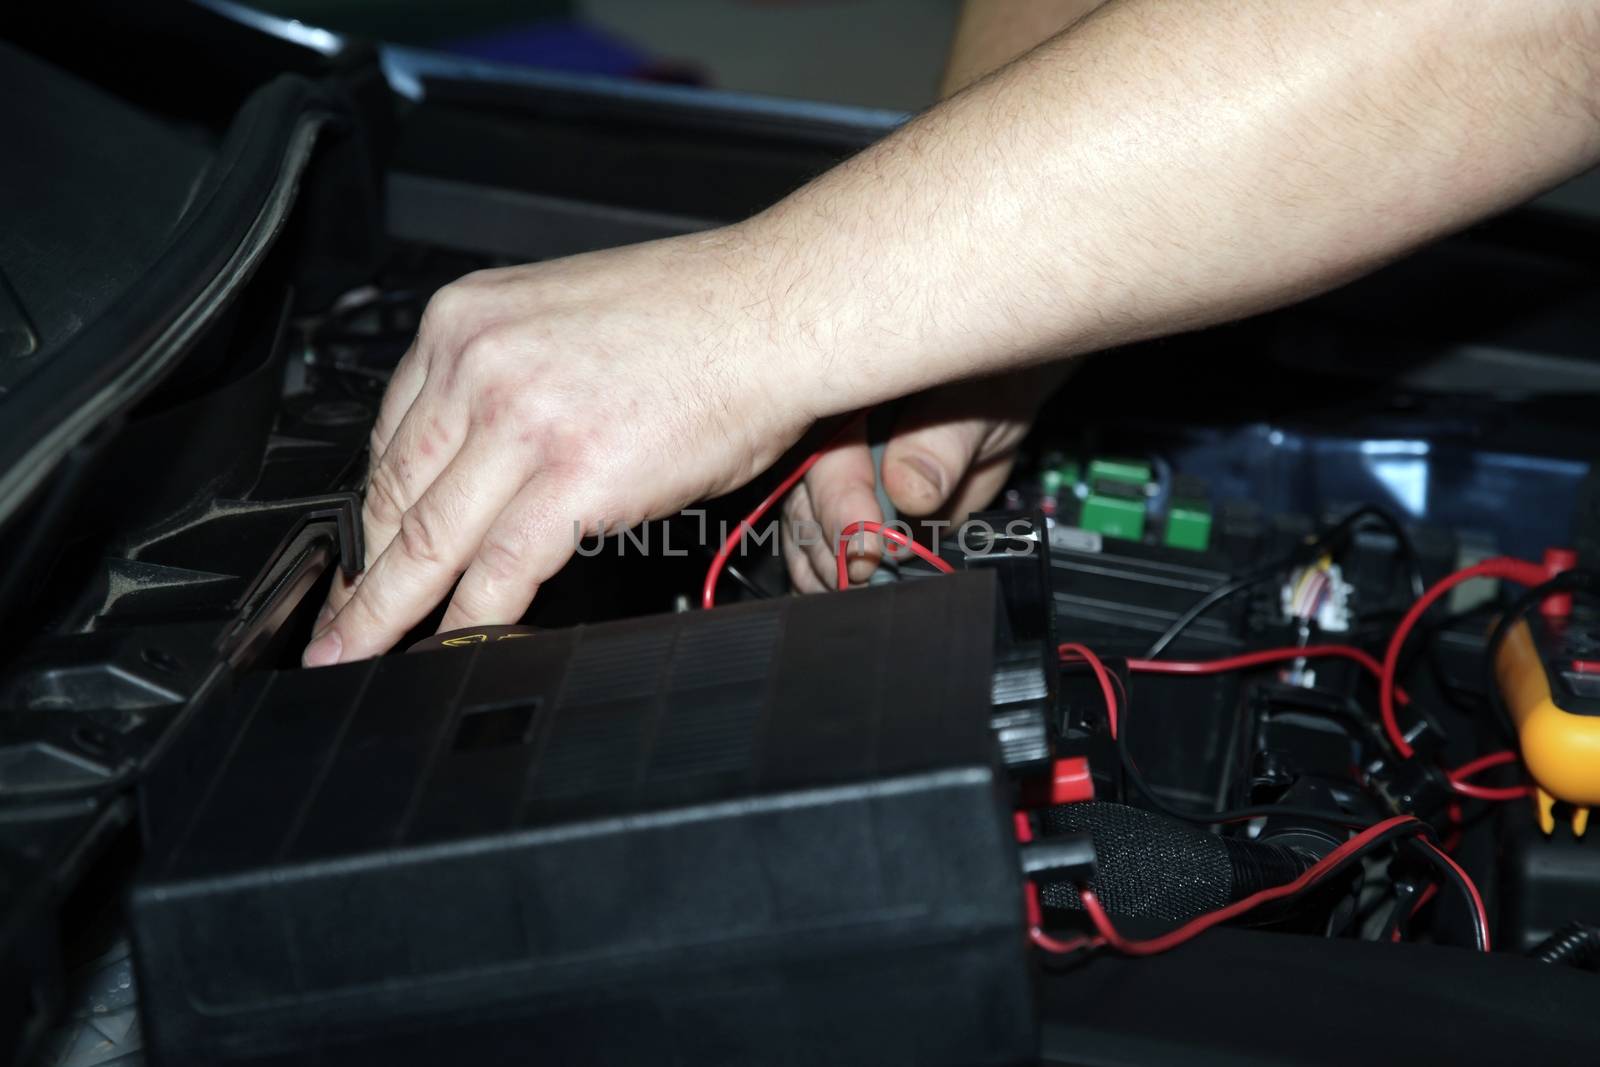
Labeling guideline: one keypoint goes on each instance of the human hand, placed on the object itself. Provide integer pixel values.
(951, 451)
(543, 403)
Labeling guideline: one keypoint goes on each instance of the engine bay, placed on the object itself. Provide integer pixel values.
(1266, 693)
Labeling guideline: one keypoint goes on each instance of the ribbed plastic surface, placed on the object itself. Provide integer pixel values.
(763, 834)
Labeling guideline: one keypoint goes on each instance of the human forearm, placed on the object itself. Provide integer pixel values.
(1157, 168)
(950, 448)
(991, 33)
(1152, 169)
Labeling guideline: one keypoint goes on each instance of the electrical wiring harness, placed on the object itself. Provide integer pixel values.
(1373, 837)
(1312, 579)
(1364, 841)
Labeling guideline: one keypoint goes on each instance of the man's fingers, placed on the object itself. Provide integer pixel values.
(922, 467)
(436, 538)
(981, 485)
(528, 543)
(843, 488)
(800, 527)
(339, 594)
(405, 384)
(424, 445)
(816, 541)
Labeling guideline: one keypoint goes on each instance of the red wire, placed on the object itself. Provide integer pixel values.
(1194, 927)
(1490, 792)
(1350, 652)
(1074, 652)
(708, 591)
(1262, 658)
(1480, 913)
(1429, 891)
(1483, 763)
(1458, 778)
(1457, 821)
(888, 534)
(1071, 651)
(1513, 570)
(1057, 947)
(1220, 666)
(1036, 934)
(1451, 840)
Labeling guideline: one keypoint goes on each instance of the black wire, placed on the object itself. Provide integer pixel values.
(1400, 831)
(749, 584)
(1448, 872)
(1416, 828)
(1210, 600)
(1445, 869)
(745, 581)
(1397, 832)
(1573, 581)
(1330, 541)
(1208, 818)
(1405, 898)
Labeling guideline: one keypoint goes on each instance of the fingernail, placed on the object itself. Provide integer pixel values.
(926, 472)
(324, 617)
(324, 651)
(861, 570)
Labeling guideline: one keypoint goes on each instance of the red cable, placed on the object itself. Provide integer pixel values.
(1480, 913)
(1458, 778)
(1194, 927)
(1036, 934)
(1350, 652)
(1451, 840)
(1504, 567)
(1262, 658)
(1457, 819)
(888, 534)
(1483, 763)
(1490, 792)
(1429, 891)
(708, 591)
(1071, 651)
(1057, 947)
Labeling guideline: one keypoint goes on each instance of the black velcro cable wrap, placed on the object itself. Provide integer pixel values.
(1153, 867)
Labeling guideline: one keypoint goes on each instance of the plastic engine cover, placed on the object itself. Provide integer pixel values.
(771, 833)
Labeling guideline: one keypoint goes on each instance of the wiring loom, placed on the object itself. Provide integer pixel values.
(1390, 695)
(1371, 837)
